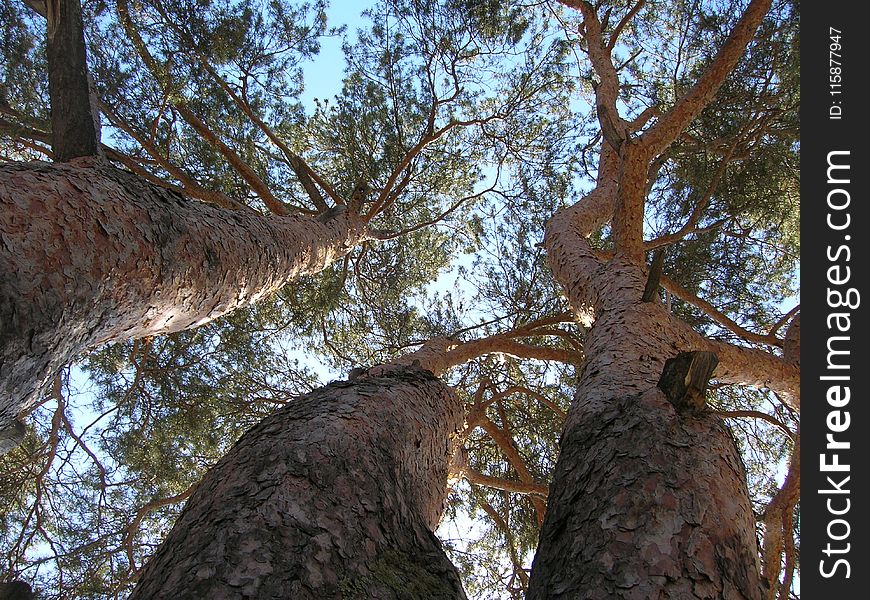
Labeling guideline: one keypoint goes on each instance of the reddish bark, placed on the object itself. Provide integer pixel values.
(334, 496)
(92, 254)
(647, 504)
(648, 501)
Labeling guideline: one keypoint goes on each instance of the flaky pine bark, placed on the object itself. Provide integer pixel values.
(649, 498)
(92, 254)
(647, 502)
(334, 496)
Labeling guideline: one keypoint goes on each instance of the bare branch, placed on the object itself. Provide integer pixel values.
(607, 90)
(142, 512)
(512, 552)
(690, 226)
(498, 483)
(674, 121)
(304, 173)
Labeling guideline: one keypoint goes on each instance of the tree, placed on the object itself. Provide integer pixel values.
(336, 495)
(168, 286)
(643, 502)
(637, 463)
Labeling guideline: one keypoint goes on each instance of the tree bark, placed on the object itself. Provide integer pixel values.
(334, 496)
(649, 501)
(92, 254)
(647, 504)
(75, 125)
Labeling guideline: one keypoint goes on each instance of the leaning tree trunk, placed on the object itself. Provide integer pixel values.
(649, 499)
(333, 496)
(92, 254)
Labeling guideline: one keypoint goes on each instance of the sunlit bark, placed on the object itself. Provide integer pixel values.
(649, 499)
(91, 254)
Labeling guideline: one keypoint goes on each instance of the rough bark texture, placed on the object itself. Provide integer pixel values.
(74, 122)
(647, 504)
(334, 496)
(92, 254)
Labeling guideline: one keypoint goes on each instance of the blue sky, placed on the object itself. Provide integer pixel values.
(323, 76)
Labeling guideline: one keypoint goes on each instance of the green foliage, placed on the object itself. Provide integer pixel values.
(103, 475)
(23, 84)
(471, 122)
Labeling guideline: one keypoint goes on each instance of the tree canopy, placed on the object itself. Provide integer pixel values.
(459, 127)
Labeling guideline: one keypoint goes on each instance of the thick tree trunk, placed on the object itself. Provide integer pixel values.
(91, 254)
(334, 496)
(647, 502)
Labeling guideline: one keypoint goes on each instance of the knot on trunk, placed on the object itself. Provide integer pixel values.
(685, 377)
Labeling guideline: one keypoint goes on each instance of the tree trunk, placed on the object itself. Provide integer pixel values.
(647, 502)
(92, 254)
(75, 125)
(334, 496)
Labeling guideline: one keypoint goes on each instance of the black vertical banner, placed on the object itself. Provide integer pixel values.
(835, 226)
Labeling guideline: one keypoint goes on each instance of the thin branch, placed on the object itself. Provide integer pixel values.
(711, 311)
(785, 319)
(304, 173)
(757, 414)
(388, 194)
(247, 173)
(133, 527)
(437, 219)
(617, 31)
(690, 226)
(506, 485)
(607, 91)
(508, 448)
(674, 121)
(512, 552)
(189, 186)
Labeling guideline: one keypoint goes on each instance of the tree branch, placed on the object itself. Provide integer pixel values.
(778, 527)
(670, 125)
(512, 551)
(506, 485)
(711, 311)
(614, 37)
(304, 173)
(613, 126)
(508, 448)
(247, 173)
(189, 186)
